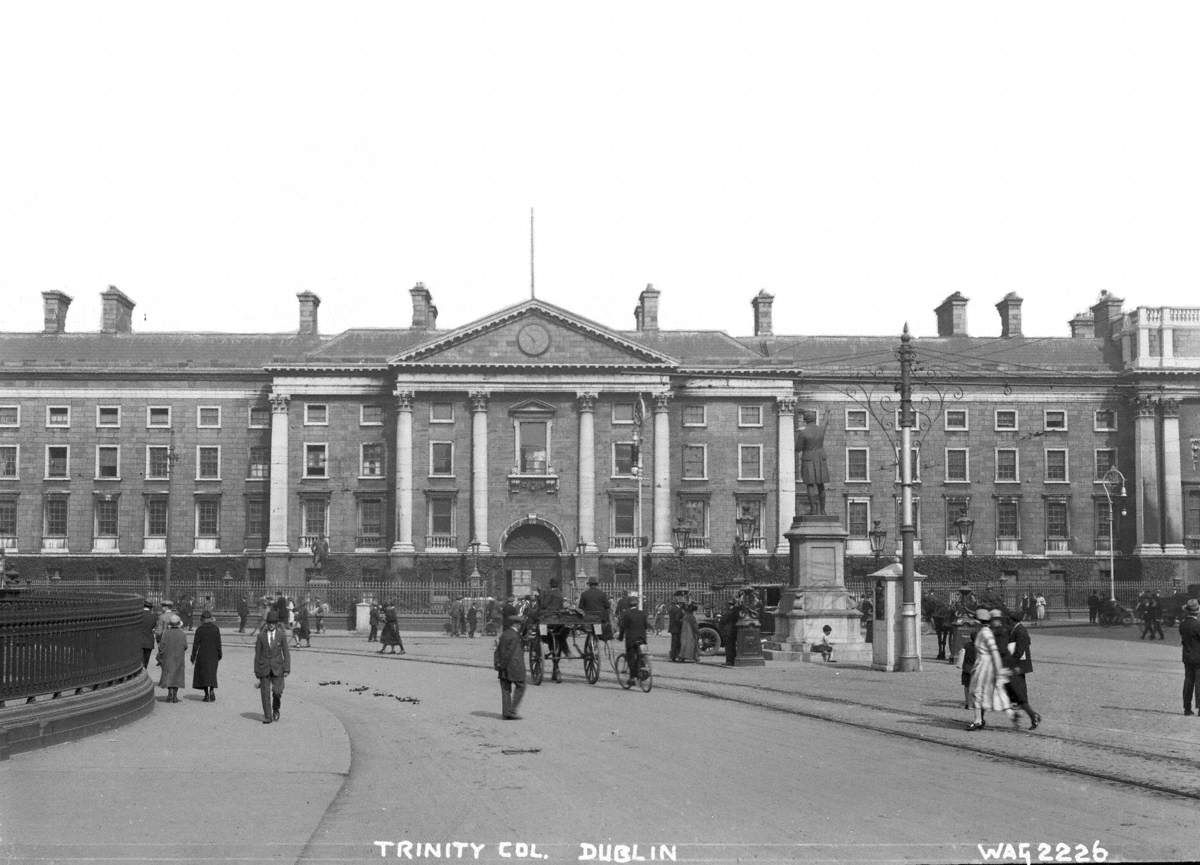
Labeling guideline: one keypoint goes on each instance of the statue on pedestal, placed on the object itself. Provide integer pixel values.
(814, 467)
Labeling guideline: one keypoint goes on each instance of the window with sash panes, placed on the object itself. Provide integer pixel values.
(694, 414)
(106, 518)
(56, 517)
(622, 459)
(208, 518)
(958, 465)
(695, 512)
(1191, 519)
(208, 463)
(256, 521)
(370, 523)
(1106, 459)
(750, 416)
(156, 517)
(57, 460)
(956, 420)
(441, 523)
(260, 462)
(58, 416)
(1056, 466)
(314, 460)
(8, 461)
(10, 416)
(1006, 465)
(441, 459)
(108, 459)
(314, 519)
(856, 419)
(158, 462)
(858, 518)
(750, 462)
(372, 460)
(1058, 533)
(858, 461)
(1008, 526)
(8, 523)
(1103, 521)
(533, 447)
(624, 523)
(695, 462)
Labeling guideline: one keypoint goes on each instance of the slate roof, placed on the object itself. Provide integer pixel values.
(369, 345)
(152, 351)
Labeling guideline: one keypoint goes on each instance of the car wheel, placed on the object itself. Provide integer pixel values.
(709, 640)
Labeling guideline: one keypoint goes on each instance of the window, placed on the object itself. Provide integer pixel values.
(58, 459)
(316, 414)
(158, 416)
(695, 462)
(857, 464)
(958, 465)
(8, 523)
(750, 463)
(55, 525)
(1103, 525)
(259, 467)
(1008, 525)
(624, 517)
(156, 517)
(371, 463)
(695, 512)
(314, 518)
(158, 462)
(622, 413)
(370, 415)
(1058, 534)
(956, 420)
(260, 417)
(1055, 420)
(9, 460)
(1105, 420)
(208, 518)
(1056, 466)
(208, 463)
(694, 415)
(856, 419)
(750, 415)
(256, 518)
(533, 449)
(108, 415)
(858, 517)
(1191, 517)
(914, 465)
(108, 462)
(441, 521)
(441, 459)
(441, 412)
(208, 416)
(370, 523)
(106, 518)
(10, 415)
(1106, 458)
(1006, 419)
(314, 460)
(58, 416)
(623, 457)
(1006, 465)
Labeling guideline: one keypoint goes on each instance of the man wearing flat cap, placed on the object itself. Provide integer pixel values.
(1189, 637)
(271, 665)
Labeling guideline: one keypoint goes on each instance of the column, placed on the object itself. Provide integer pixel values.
(587, 470)
(1172, 480)
(786, 469)
(403, 542)
(663, 540)
(479, 469)
(277, 541)
(1149, 536)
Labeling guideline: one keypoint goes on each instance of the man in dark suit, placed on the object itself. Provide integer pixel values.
(509, 662)
(632, 628)
(243, 611)
(1189, 637)
(728, 626)
(675, 624)
(272, 663)
(149, 623)
(1020, 663)
(552, 602)
(594, 604)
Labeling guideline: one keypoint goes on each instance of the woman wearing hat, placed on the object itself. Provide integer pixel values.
(172, 649)
(990, 675)
(206, 655)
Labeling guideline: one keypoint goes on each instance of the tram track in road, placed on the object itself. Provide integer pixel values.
(1045, 750)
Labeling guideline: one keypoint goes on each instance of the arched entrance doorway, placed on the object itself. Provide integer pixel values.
(532, 556)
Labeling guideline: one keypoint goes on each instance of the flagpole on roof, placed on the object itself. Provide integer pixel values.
(531, 291)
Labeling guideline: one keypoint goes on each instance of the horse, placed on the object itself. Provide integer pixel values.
(944, 618)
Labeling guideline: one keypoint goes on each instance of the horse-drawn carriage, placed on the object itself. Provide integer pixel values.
(556, 636)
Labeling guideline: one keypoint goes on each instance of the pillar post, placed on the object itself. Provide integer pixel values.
(403, 542)
(663, 540)
(479, 469)
(587, 471)
(1146, 483)
(277, 541)
(1172, 480)
(786, 469)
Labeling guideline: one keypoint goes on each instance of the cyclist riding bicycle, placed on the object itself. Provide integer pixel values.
(631, 627)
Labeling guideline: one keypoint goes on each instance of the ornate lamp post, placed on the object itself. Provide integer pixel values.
(680, 535)
(965, 526)
(476, 579)
(878, 538)
(1109, 481)
(745, 537)
(580, 573)
(749, 634)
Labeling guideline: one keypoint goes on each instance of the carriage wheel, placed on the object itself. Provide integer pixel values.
(622, 668)
(535, 662)
(591, 661)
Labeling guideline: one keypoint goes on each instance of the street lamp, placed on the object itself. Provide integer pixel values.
(745, 537)
(680, 534)
(748, 634)
(580, 574)
(965, 525)
(1108, 481)
(878, 538)
(476, 578)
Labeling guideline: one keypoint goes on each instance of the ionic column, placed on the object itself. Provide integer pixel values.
(587, 470)
(1172, 479)
(1149, 535)
(277, 542)
(663, 540)
(479, 469)
(403, 542)
(786, 470)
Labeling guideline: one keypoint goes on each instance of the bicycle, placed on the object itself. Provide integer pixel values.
(645, 677)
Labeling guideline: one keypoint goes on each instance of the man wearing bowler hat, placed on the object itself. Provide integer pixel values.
(1189, 637)
(271, 665)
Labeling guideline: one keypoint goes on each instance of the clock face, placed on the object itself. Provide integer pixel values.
(533, 339)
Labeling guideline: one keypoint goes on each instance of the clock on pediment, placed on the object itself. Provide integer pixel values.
(533, 339)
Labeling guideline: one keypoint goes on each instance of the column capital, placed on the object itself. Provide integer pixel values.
(1145, 405)
(586, 401)
(1170, 407)
(786, 404)
(279, 403)
(661, 400)
(479, 400)
(404, 399)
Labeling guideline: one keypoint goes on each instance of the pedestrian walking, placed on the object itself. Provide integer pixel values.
(1020, 665)
(206, 655)
(373, 620)
(185, 611)
(509, 662)
(321, 613)
(1189, 638)
(164, 617)
(689, 635)
(1039, 607)
(390, 637)
(1093, 607)
(300, 631)
(272, 663)
(149, 622)
(1154, 611)
(243, 611)
(472, 620)
(172, 649)
(968, 664)
(675, 625)
(990, 674)
(728, 626)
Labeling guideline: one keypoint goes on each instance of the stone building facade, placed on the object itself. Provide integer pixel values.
(535, 433)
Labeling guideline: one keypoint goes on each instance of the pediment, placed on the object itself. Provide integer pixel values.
(533, 333)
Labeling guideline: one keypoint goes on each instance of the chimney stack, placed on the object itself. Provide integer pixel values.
(116, 311)
(1083, 326)
(648, 306)
(1105, 313)
(308, 313)
(1010, 314)
(952, 316)
(762, 313)
(54, 309)
(424, 312)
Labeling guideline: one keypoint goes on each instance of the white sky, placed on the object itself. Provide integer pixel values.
(860, 161)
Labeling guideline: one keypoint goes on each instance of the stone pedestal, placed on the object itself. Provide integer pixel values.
(889, 630)
(362, 617)
(749, 646)
(817, 597)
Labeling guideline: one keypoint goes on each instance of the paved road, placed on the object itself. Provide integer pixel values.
(786, 763)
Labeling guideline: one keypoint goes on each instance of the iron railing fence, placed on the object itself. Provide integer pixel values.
(55, 641)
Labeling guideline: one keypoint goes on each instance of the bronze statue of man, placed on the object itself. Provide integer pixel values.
(814, 467)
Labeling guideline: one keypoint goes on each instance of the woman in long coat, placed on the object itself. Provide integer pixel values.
(206, 655)
(990, 674)
(172, 652)
(390, 638)
(689, 635)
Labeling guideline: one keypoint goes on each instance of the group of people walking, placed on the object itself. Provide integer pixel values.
(165, 633)
(994, 668)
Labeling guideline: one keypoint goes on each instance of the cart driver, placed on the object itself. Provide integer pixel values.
(593, 602)
(632, 629)
(552, 602)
